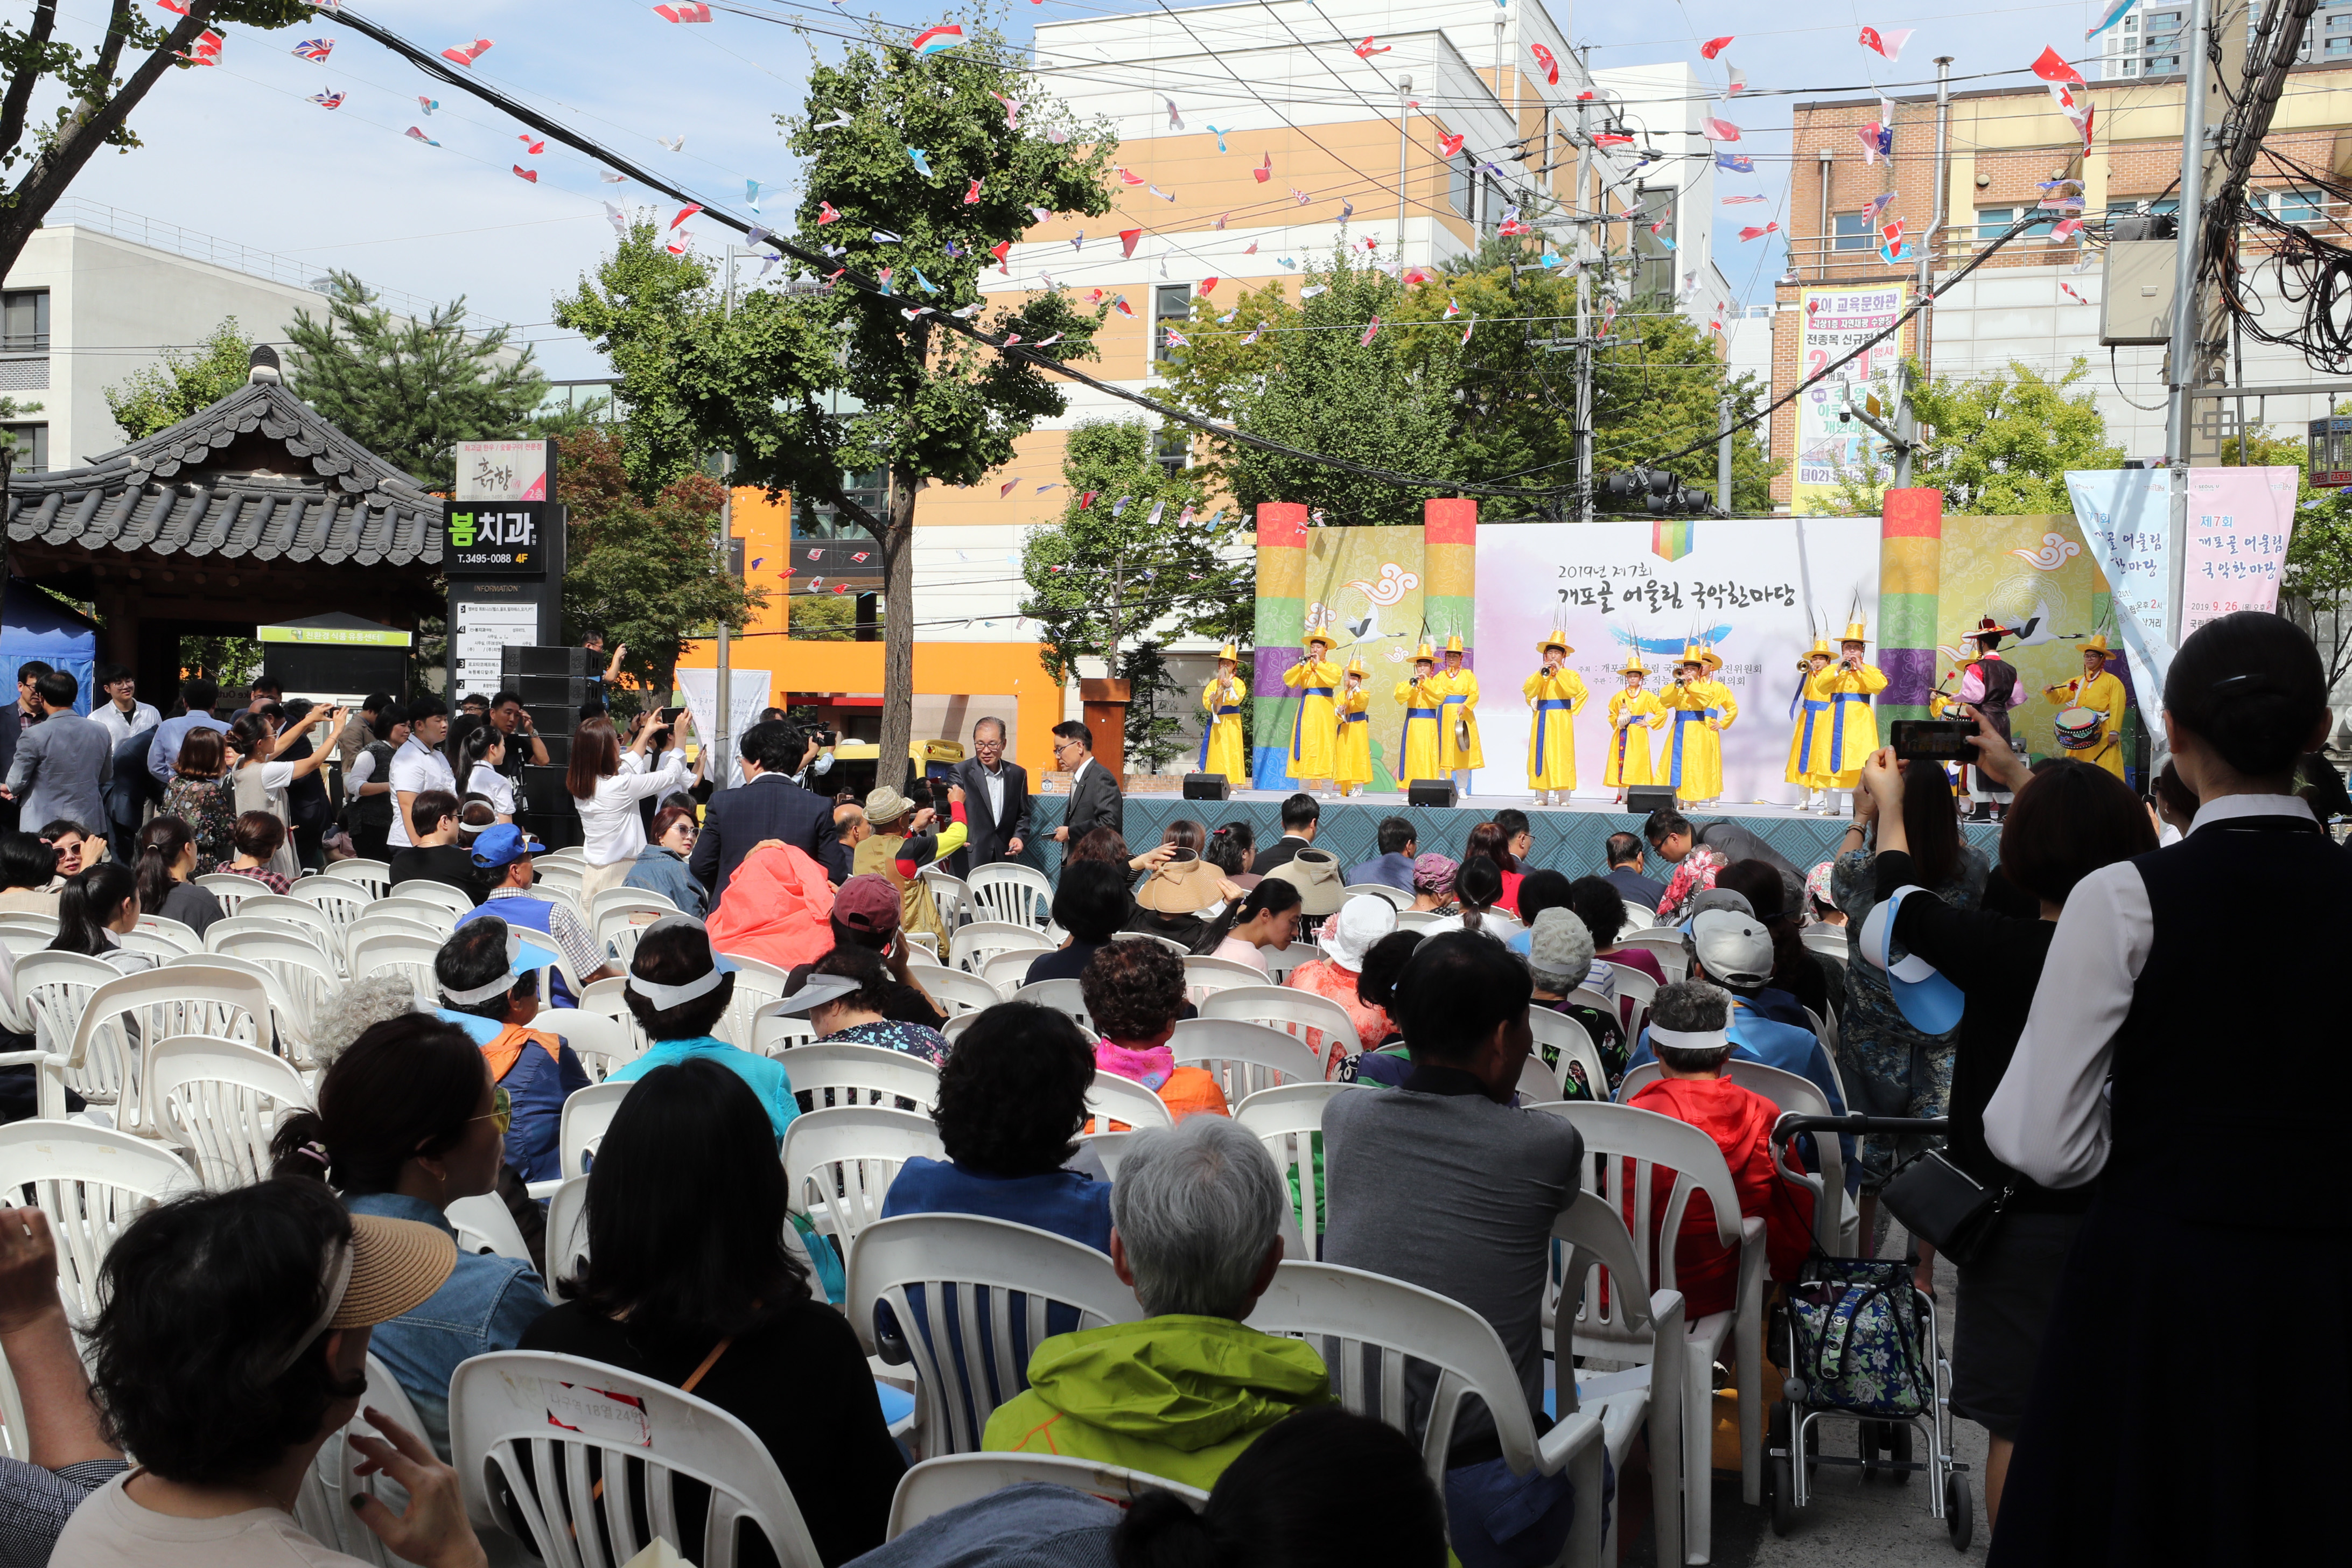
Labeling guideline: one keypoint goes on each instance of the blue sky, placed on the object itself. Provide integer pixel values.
(241, 152)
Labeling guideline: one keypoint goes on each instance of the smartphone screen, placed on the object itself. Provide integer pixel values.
(1933, 739)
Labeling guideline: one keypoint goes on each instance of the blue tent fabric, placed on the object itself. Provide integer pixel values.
(35, 626)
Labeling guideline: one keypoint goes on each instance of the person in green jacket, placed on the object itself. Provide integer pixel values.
(1196, 1229)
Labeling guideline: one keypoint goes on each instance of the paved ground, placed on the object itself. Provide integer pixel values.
(1849, 1521)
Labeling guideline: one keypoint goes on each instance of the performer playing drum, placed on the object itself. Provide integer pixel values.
(2091, 718)
(1314, 732)
(1351, 764)
(1810, 713)
(1632, 714)
(1555, 695)
(1222, 748)
(1699, 708)
(1421, 702)
(1457, 733)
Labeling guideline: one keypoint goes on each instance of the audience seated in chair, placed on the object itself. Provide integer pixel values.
(865, 912)
(1361, 922)
(1196, 1228)
(1559, 959)
(1386, 1063)
(96, 911)
(1442, 1183)
(689, 1280)
(69, 1455)
(678, 990)
(1091, 904)
(1689, 1028)
(408, 1122)
(1320, 1489)
(1134, 993)
(232, 1347)
(1794, 969)
(484, 993)
(857, 1012)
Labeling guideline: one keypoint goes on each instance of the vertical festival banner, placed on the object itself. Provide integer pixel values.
(1756, 589)
(1837, 319)
(2239, 523)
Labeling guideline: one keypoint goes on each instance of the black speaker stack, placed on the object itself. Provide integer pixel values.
(552, 682)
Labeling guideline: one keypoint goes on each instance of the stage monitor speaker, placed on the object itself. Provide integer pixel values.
(1644, 799)
(1430, 791)
(1208, 786)
(525, 658)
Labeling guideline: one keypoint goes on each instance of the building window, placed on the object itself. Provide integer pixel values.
(25, 321)
(1461, 186)
(1171, 303)
(2163, 65)
(814, 521)
(32, 447)
(1993, 222)
(1853, 232)
(1173, 449)
(2299, 207)
(1491, 212)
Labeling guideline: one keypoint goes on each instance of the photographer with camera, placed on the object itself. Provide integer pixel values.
(769, 805)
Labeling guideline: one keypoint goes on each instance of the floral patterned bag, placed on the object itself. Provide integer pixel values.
(1859, 1334)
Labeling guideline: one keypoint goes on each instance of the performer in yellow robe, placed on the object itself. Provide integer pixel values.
(2098, 690)
(1812, 714)
(1632, 713)
(1844, 737)
(1699, 708)
(1352, 765)
(1555, 695)
(1458, 751)
(1316, 730)
(1223, 749)
(1421, 702)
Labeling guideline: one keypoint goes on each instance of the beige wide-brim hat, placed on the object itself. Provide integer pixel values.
(397, 1265)
(1184, 886)
(1316, 874)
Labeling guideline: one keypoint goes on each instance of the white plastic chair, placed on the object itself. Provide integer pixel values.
(1538, 1084)
(1566, 1041)
(190, 998)
(952, 1258)
(373, 875)
(337, 898)
(224, 935)
(774, 1033)
(221, 1101)
(1419, 920)
(860, 1075)
(1394, 1324)
(1628, 1145)
(1287, 1119)
(1396, 896)
(954, 989)
(758, 986)
(567, 1235)
(426, 926)
(599, 1042)
(1011, 892)
(181, 935)
(621, 915)
(1109, 1148)
(457, 900)
(156, 944)
(1669, 945)
(1317, 1022)
(1836, 1223)
(950, 895)
(561, 1410)
(323, 1507)
(559, 878)
(229, 891)
(378, 953)
(951, 1481)
(982, 940)
(91, 1182)
(52, 990)
(608, 999)
(307, 979)
(587, 1115)
(1204, 976)
(1110, 1097)
(1244, 1057)
(1830, 942)
(1008, 972)
(1281, 960)
(29, 920)
(840, 1163)
(483, 1224)
(1063, 997)
(1644, 991)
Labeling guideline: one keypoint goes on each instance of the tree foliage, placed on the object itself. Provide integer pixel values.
(95, 99)
(410, 391)
(824, 617)
(2315, 589)
(1997, 444)
(156, 397)
(809, 385)
(641, 572)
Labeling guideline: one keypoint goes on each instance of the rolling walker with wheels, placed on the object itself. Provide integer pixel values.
(1861, 1345)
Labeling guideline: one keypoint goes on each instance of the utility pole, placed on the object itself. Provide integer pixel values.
(2179, 366)
(720, 772)
(1404, 86)
(1586, 251)
(1943, 189)
(1723, 457)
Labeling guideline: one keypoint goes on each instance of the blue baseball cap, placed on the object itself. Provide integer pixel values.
(505, 843)
(1929, 1003)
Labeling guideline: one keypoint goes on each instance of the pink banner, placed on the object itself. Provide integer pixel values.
(2238, 519)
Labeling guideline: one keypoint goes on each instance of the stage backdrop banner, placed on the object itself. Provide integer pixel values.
(1836, 320)
(2040, 575)
(1758, 588)
(1364, 587)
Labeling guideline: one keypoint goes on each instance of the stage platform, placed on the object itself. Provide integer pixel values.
(1571, 838)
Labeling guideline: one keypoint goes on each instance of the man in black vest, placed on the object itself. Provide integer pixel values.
(1989, 685)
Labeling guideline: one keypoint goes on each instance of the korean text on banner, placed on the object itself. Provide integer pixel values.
(2238, 522)
(2126, 518)
(1836, 321)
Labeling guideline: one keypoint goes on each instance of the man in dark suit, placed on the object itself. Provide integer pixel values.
(1094, 800)
(1300, 819)
(1670, 833)
(14, 718)
(127, 790)
(996, 801)
(769, 805)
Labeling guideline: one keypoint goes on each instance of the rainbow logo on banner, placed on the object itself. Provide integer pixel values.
(1670, 538)
(931, 40)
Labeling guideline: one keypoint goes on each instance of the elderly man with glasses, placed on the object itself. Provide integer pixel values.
(1094, 794)
(996, 801)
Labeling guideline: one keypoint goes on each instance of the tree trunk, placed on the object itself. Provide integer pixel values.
(896, 546)
(78, 140)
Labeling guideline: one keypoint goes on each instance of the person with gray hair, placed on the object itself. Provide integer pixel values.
(1196, 1230)
(354, 1009)
(1559, 959)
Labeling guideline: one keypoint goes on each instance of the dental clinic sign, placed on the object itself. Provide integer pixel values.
(504, 538)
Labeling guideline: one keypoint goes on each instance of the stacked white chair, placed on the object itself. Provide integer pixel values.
(52, 990)
(222, 1102)
(1317, 1022)
(190, 998)
(226, 935)
(340, 900)
(1011, 892)
(307, 979)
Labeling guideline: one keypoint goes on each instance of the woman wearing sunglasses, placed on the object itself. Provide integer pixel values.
(409, 1122)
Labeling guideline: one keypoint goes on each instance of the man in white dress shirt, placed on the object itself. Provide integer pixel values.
(122, 715)
(419, 765)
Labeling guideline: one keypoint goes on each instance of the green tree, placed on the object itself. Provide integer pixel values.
(410, 391)
(2315, 589)
(92, 101)
(640, 571)
(1657, 389)
(157, 397)
(824, 617)
(808, 385)
(1997, 444)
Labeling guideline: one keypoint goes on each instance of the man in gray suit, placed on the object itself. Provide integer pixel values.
(1670, 833)
(61, 763)
(1094, 800)
(14, 717)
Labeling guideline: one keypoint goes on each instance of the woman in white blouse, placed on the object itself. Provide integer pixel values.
(485, 752)
(606, 783)
(261, 781)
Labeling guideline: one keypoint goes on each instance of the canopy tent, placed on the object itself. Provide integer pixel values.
(33, 626)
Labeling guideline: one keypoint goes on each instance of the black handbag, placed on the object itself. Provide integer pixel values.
(1943, 1205)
